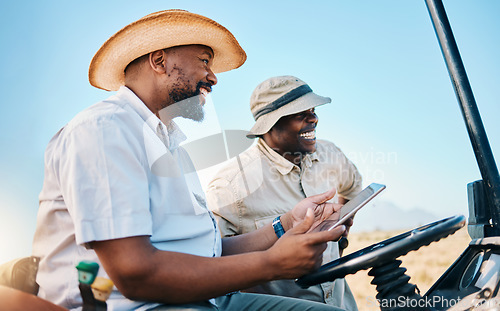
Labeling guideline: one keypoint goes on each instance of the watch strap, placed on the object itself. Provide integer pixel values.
(278, 227)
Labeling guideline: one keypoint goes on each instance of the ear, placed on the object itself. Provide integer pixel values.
(157, 61)
(267, 137)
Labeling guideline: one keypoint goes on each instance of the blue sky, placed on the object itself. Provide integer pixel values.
(394, 111)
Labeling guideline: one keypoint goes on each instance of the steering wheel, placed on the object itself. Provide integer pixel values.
(382, 252)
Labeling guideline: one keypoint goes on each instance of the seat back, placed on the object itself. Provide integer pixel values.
(20, 274)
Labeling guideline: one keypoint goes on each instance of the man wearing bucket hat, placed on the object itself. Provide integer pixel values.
(119, 191)
(286, 165)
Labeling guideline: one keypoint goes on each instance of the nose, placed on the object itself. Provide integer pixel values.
(311, 116)
(211, 78)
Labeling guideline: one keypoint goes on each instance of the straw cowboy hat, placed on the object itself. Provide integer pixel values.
(159, 31)
(278, 97)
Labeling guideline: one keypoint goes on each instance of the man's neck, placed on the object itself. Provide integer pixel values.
(292, 157)
(295, 158)
(153, 103)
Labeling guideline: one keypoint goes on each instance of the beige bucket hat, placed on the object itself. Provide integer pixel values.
(278, 97)
(158, 31)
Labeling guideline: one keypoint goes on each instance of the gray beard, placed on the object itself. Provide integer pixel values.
(189, 108)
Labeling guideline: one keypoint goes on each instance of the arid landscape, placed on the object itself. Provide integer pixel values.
(424, 266)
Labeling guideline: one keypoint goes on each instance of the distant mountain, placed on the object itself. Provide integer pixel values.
(386, 216)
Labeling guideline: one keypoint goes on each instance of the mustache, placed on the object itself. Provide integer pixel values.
(204, 85)
(308, 129)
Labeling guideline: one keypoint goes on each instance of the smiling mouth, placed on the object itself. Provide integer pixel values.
(311, 135)
(203, 92)
(203, 96)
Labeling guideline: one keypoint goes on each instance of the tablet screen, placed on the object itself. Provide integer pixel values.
(351, 207)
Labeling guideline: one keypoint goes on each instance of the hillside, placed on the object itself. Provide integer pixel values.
(424, 266)
(385, 216)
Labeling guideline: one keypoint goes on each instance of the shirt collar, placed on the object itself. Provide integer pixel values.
(171, 135)
(308, 160)
(283, 165)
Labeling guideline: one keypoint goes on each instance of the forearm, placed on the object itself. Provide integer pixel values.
(149, 274)
(190, 278)
(142, 272)
(257, 240)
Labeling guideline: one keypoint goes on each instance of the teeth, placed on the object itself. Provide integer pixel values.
(204, 92)
(309, 135)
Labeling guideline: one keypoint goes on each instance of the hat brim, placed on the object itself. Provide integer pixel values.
(159, 31)
(265, 122)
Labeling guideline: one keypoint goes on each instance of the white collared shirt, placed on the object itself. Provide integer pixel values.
(116, 171)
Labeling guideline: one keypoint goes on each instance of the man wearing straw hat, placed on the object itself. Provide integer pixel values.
(286, 165)
(119, 191)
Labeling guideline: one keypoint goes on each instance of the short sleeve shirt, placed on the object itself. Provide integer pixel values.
(116, 171)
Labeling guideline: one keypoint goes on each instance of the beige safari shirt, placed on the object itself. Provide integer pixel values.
(260, 184)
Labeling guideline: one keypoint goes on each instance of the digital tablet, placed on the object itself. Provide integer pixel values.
(351, 207)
